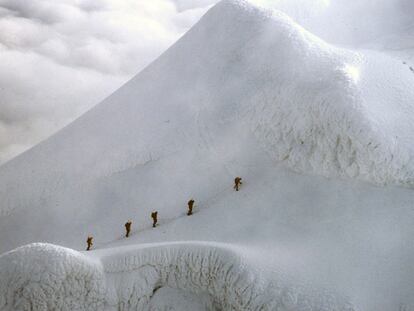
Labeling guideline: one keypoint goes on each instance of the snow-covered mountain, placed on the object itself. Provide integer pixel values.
(312, 128)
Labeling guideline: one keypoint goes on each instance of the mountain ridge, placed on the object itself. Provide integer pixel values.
(321, 136)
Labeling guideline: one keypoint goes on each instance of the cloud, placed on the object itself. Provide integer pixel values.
(59, 58)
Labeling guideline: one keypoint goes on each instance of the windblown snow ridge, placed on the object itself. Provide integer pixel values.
(48, 277)
(127, 278)
(315, 107)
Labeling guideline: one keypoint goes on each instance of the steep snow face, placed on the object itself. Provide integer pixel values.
(207, 276)
(315, 108)
(320, 109)
(48, 277)
(348, 124)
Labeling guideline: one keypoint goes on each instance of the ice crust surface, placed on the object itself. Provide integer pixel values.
(188, 276)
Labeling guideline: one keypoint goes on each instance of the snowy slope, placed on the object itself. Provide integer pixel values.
(245, 92)
(315, 108)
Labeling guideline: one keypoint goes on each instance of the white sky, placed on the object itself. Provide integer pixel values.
(59, 58)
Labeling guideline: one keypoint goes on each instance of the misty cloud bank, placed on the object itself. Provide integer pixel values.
(59, 58)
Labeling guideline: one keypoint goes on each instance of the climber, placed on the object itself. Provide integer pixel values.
(89, 241)
(237, 183)
(128, 228)
(190, 207)
(154, 216)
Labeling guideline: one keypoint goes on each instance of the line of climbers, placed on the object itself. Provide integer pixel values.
(154, 215)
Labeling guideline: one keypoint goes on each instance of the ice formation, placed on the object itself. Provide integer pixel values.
(39, 277)
(209, 275)
(315, 108)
